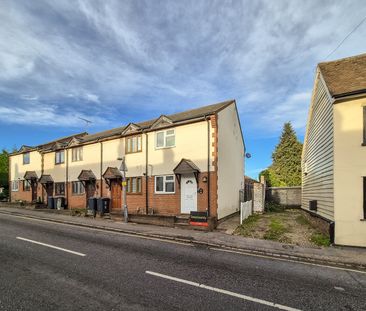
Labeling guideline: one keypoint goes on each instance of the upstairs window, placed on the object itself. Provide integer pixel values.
(134, 185)
(59, 188)
(165, 139)
(14, 185)
(133, 144)
(165, 184)
(77, 187)
(364, 126)
(77, 154)
(60, 157)
(26, 185)
(26, 158)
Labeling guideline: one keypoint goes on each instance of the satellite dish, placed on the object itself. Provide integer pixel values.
(248, 155)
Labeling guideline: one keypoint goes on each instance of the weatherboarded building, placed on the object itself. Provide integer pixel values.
(188, 161)
(334, 153)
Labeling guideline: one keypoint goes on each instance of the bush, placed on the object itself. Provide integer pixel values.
(272, 207)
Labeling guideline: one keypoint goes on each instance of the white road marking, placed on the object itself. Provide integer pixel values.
(223, 291)
(339, 288)
(100, 230)
(285, 259)
(51, 246)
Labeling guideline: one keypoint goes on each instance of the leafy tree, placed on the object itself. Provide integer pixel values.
(285, 169)
(4, 168)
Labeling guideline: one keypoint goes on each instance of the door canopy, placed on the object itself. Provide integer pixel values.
(110, 174)
(87, 175)
(186, 166)
(31, 175)
(46, 179)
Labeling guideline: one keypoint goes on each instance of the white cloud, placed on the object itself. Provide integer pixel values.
(169, 56)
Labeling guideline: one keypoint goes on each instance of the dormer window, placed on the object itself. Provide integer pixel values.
(26, 158)
(165, 139)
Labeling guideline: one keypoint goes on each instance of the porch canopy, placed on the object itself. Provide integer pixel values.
(87, 175)
(186, 166)
(111, 173)
(31, 175)
(45, 179)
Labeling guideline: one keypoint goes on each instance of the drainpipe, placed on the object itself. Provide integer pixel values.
(208, 166)
(42, 172)
(67, 177)
(101, 169)
(147, 174)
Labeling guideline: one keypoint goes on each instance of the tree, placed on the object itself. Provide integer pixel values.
(285, 169)
(4, 168)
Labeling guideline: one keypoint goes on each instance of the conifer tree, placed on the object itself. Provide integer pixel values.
(285, 169)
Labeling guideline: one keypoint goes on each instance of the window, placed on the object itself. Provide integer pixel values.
(364, 197)
(133, 144)
(165, 139)
(164, 184)
(26, 158)
(77, 154)
(364, 126)
(77, 187)
(26, 185)
(59, 188)
(14, 185)
(134, 185)
(60, 157)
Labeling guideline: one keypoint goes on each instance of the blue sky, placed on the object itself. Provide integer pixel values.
(113, 62)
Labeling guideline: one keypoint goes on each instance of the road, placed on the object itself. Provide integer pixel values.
(47, 266)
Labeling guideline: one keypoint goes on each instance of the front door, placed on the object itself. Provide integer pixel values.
(116, 193)
(188, 194)
(89, 190)
(34, 190)
(49, 190)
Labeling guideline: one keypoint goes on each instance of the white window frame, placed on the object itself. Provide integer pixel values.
(15, 186)
(80, 188)
(24, 154)
(164, 184)
(27, 186)
(63, 157)
(165, 137)
(77, 154)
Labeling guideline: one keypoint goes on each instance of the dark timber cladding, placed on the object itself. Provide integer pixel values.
(318, 154)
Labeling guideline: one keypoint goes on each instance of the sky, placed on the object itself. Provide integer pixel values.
(115, 62)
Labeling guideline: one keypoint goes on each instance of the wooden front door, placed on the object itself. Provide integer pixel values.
(49, 190)
(89, 190)
(116, 194)
(34, 190)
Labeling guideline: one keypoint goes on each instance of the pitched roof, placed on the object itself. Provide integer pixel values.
(86, 175)
(186, 166)
(112, 173)
(45, 179)
(176, 118)
(345, 76)
(30, 175)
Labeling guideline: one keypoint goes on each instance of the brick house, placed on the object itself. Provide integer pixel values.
(188, 161)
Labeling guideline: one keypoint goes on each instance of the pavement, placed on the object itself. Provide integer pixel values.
(347, 257)
(53, 266)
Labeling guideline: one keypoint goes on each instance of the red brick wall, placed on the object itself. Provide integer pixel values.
(22, 195)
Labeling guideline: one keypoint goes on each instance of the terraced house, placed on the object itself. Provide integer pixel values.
(189, 161)
(333, 161)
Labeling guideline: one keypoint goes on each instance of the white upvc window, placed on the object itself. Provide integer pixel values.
(133, 144)
(15, 185)
(77, 154)
(26, 158)
(165, 139)
(165, 184)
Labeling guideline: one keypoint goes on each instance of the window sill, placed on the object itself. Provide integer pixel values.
(78, 194)
(126, 153)
(164, 193)
(159, 148)
(60, 163)
(131, 193)
(364, 219)
(363, 144)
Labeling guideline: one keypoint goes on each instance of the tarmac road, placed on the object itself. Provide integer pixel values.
(48, 266)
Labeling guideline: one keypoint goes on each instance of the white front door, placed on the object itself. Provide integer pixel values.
(188, 194)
